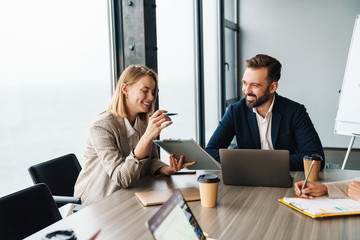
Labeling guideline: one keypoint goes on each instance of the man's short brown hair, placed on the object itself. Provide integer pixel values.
(264, 61)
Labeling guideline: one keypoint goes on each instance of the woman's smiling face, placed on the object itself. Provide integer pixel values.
(139, 95)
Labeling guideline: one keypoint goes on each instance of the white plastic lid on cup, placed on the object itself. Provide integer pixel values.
(208, 178)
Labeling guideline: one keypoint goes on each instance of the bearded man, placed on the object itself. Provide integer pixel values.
(265, 120)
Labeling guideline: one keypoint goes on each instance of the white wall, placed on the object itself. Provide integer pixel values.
(311, 38)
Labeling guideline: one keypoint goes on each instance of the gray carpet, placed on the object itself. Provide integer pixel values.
(336, 156)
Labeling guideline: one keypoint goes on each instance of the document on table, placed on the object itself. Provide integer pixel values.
(323, 206)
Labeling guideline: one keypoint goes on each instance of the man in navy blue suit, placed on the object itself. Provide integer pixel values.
(266, 120)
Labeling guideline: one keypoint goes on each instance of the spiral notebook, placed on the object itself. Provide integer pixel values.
(323, 206)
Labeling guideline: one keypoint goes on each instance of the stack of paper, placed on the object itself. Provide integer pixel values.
(323, 206)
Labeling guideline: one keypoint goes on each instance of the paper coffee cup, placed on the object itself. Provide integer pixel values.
(208, 185)
(314, 175)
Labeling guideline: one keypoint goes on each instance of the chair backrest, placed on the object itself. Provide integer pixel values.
(27, 211)
(60, 174)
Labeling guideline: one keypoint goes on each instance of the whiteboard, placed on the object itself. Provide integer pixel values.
(347, 121)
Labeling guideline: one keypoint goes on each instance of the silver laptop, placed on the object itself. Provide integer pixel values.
(174, 220)
(255, 167)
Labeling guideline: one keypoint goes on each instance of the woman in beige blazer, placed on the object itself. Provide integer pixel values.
(344, 189)
(119, 147)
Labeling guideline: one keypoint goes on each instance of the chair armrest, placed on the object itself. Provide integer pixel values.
(78, 207)
(65, 200)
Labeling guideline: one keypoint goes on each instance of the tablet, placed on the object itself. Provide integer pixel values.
(191, 151)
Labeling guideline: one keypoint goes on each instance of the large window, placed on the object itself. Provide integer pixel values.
(179, 41)
(212, 68)
(54, 80)
(176, 65)
(230, 51)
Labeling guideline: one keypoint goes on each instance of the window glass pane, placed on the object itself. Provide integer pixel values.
(54, 80)
(230, 10)
(176, 67)
(211, 67)
(231, 84)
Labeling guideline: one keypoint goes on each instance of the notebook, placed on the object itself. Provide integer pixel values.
(323, 206)
(150, 198)
(255, 167)
(174, 220)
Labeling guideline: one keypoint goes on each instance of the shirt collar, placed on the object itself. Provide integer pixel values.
(131, 130)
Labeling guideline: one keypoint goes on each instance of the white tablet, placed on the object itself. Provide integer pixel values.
(191, 151)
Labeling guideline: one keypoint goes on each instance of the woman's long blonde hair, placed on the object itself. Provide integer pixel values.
(130, 76)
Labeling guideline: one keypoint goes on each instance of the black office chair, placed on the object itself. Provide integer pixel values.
(60, 174)
(27, 211)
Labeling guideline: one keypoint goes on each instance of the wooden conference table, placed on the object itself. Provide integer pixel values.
(241, 213)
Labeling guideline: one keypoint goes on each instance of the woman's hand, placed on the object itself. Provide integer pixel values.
(175, 166)
(310, 190)
(354, 191)
(157, 122)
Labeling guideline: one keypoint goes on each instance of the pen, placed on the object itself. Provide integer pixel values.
(167, 114)
(302, 188)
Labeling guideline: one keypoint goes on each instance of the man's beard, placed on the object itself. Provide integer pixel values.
(258, 101)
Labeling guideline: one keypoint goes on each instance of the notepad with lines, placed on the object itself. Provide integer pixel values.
(323, 206)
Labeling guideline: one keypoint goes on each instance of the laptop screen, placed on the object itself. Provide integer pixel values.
(174, 220)
(256, 167)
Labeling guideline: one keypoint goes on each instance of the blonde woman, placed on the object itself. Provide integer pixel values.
(119, 148)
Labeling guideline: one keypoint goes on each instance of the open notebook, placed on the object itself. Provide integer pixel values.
(323, 206)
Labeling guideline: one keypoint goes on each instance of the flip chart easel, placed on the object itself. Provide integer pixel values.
(348, 150)
(348, 113)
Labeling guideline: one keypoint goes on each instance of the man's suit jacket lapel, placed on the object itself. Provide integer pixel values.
(276, 119)
(254, 128)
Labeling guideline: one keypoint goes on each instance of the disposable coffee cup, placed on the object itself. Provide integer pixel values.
(208, 184)
(314, 174)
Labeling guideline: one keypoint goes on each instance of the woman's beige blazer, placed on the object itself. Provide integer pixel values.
(339, 189)
(108, 162)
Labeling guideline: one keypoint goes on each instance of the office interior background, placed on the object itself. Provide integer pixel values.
(56, 68)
